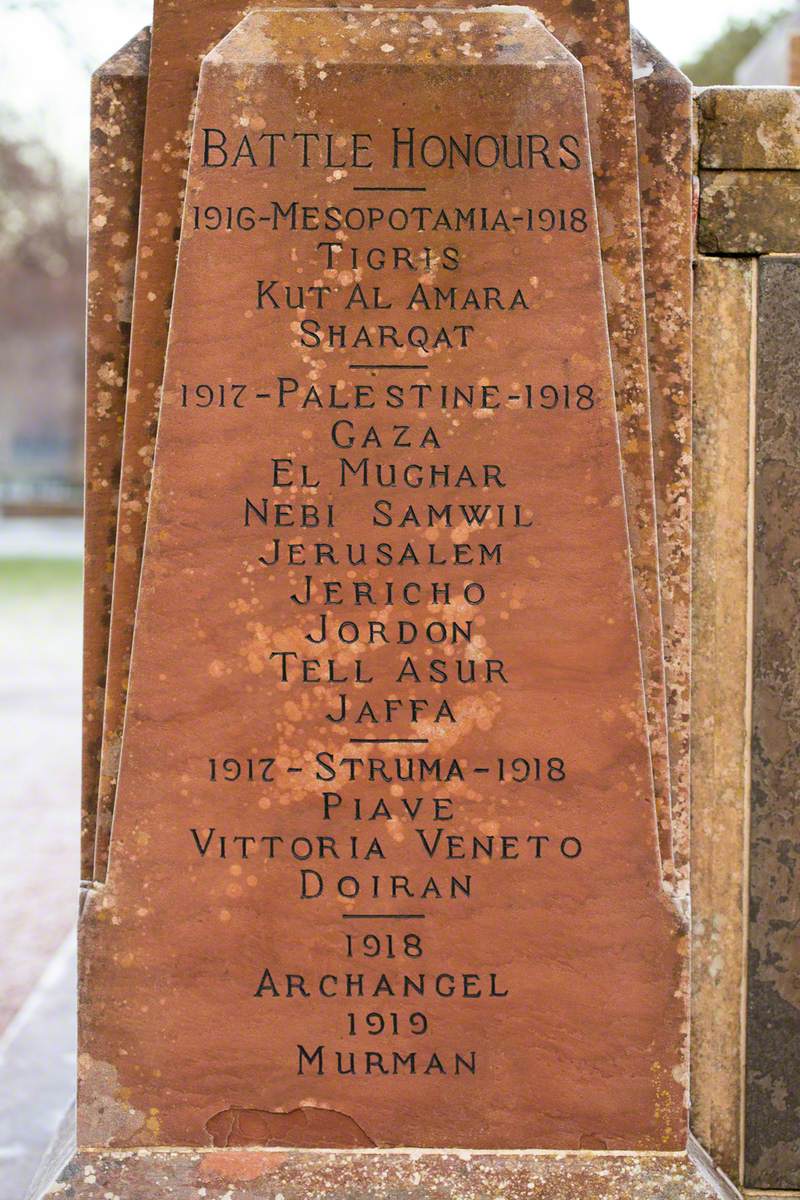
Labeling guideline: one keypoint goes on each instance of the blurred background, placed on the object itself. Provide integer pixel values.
(48, 50)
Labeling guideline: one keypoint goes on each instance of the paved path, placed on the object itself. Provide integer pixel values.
(40, 652)
(37, 1072)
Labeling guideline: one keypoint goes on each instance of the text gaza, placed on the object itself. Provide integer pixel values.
(408, 149)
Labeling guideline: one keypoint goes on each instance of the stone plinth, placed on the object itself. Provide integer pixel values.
(295, 1175)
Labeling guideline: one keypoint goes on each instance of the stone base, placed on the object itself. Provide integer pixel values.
(253, 1174)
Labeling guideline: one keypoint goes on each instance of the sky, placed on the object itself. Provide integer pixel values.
(44, 76)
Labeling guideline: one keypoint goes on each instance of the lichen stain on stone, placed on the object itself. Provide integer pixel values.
(306, 1126)
(106, 1116)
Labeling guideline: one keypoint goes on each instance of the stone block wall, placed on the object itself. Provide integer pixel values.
(746, 635)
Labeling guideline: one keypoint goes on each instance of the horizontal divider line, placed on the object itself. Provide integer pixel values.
(364, 188)
(383, 916)
(390, 741)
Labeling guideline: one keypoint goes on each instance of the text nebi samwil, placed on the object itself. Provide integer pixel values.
(406, 149)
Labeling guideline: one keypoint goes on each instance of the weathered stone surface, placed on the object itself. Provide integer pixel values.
(295, 1175)
(772, 1136)
(598, 34)
(119, 92)
(745, 129)
(664, 126)
(593, 957)
(749, 212)
(721, 670)
(794, 60)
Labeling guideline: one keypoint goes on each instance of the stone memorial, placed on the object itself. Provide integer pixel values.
(310, 665)
(598, 34)
(388, 892)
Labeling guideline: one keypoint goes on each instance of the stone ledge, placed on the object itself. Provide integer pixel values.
(253, 1174)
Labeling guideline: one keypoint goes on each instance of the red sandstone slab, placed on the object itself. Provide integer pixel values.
(598, 34)
(573, 945)
(664, 120)
(119, 95)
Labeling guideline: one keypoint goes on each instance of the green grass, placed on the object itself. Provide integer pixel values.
(35, 576)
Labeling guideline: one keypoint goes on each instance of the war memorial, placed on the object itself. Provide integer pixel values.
(442, 690)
